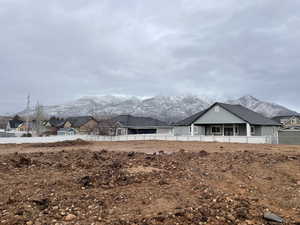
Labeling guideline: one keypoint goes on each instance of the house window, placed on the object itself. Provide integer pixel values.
(216, 130)
(252, 130)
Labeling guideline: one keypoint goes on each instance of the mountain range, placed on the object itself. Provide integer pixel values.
(166, 108)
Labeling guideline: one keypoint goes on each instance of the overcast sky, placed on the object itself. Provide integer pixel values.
(60, 50)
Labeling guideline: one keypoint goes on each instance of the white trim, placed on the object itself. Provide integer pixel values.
(223, 130)
(192, 129)
(248, 129)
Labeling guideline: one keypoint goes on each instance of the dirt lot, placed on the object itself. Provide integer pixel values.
(147, 183)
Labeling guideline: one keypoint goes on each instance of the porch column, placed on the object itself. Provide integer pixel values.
(234, 130)
(223, 130)
(248, 128)
(192, 130)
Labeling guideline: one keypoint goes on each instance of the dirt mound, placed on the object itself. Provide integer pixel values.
(85, 187)
(77, 142)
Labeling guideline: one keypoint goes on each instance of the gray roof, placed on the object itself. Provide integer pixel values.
(56, 122)
(188, 121)
(15, 122)
(133, 121)
(248, 115)
(79, 120)
(240, 111)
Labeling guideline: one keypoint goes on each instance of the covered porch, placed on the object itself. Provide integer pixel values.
(243, 129)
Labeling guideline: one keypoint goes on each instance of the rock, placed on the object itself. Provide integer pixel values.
(130, 154)
(29, 223)
(70, 217)
(179, 212)
(163, 182)
(203, 153)
(231, 217)
(42, 204)
(250, 222)
(273, 217)
(242, 212)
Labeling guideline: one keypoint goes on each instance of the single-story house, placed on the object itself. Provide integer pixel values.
(227, 120)
(128, 124)
(82, 124)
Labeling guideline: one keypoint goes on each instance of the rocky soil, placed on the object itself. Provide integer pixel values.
(120, 188)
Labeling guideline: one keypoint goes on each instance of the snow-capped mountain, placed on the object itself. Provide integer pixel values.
(266, 108)
(167, 108)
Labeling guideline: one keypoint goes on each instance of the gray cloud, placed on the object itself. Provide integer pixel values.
(60, 50)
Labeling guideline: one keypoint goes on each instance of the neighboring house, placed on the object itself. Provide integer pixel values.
(290, 131)
(227, 120)
(51, 126)
(66, 131)
(128, 124)
(14, 123)
(107, 127)
(4, 122)
(288, 121)
(82, 124)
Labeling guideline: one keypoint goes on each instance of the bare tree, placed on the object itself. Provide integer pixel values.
(39, 117)
(28, 114)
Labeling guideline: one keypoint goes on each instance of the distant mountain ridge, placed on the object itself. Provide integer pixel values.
(166, 108)
(265, 108)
